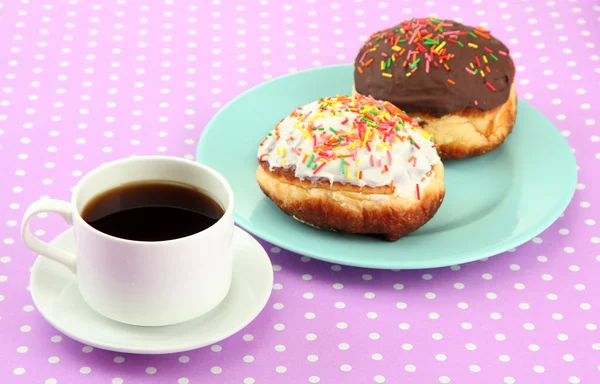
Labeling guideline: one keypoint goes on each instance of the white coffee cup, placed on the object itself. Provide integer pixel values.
(137, 282)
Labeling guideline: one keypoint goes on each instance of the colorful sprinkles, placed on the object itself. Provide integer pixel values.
(377, 128)
(423, 43)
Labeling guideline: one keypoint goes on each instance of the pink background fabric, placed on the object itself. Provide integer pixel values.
(84, 82)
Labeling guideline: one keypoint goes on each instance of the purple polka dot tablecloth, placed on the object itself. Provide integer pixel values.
(85, 82)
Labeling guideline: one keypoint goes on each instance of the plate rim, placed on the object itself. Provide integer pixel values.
(481, 253)
(122, 348)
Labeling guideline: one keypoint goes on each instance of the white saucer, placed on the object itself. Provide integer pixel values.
(55, 294)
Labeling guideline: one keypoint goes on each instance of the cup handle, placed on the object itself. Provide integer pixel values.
(42, 248)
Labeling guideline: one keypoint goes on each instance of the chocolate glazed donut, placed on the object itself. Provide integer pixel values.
(456, 79)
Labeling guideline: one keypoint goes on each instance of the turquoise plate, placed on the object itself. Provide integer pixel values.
(493, 203)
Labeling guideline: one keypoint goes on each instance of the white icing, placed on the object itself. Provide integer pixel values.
(293, 143)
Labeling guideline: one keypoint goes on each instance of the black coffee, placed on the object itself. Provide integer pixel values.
(152, 211)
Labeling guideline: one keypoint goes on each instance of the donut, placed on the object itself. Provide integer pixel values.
(353, 165)
(456, 80)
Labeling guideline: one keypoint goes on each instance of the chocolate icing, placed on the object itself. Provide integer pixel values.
(431, 92)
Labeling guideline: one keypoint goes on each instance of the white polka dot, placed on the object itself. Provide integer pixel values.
(430, 295)
(281, 369)
(314, 379)
(53, 359)
(308, 295)
(369, 295)
(504, 358)
(345, 367)
(216, 370)
(520, 286)
(87, 349)
(184, 359)
(463, 305)
(56, 339)
(376, 356)
(344, 346)
(471, 346)
(279, 327)
(25, 328)
(216, 348)
(568, 358)
(529, 326)
(374, 336)
(309, 315)
(495, 315)
(311, 337)
(280, 348)
(499, 337)
(474, 368)
(379, 379)
(552, 296)
(248, 358)
(444, 379)
(372, 315)
(562, 337)
(437, 336)
(336, 268)
(547, 277)
(398, 287)
(306, 277)
(524, 306)
(459, 285)
(574, 380)
(85, 370)
(534, 347)
(22, 349)
(585, 306)
(341, 325)
(19, 371)
(404, 326)
(539, 369)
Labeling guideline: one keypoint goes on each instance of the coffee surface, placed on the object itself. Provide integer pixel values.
(152, 211)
